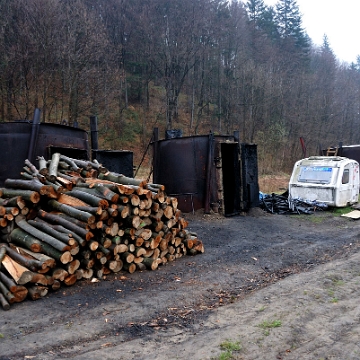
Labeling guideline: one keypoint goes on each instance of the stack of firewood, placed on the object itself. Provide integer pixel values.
(69, 219)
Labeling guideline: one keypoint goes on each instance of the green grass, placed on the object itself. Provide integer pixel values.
(228, 348)
(341, 211)
(268, 325)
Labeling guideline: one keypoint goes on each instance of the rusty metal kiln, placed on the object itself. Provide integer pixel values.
(207, 171)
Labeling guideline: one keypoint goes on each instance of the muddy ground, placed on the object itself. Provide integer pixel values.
(279, 286)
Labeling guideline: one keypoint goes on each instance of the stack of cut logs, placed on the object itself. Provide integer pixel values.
(69, 219)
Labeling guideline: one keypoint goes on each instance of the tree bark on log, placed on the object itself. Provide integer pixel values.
(10, 298)
(31, 264)
(131, 268)
(50, 240)
(4, 303)
(46, 261)
(69, 210)
(150, 263)
(63, 230)
(53, 167)
(34, 185)
(19, 291)
(71, 162)
(42, 226)
(61, 221)
(88, 198)
(29, 195)
(20, 237)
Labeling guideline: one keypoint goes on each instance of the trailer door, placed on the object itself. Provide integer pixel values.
(349, 185)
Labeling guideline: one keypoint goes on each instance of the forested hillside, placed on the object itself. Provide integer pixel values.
(194, 65)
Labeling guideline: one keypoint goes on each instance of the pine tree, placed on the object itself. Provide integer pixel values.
(293, 37)
(255, 10)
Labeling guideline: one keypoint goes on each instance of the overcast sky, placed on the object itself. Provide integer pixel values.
(339, 20)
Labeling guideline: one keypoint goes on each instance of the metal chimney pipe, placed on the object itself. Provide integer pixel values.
(34, 134)
(94, 135)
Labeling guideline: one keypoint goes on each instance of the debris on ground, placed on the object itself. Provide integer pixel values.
(279, 204)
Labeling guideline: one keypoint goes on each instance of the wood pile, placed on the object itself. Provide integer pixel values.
(70, 219)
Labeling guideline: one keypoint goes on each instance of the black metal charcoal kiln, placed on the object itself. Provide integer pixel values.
(211, 172)
(22, 140)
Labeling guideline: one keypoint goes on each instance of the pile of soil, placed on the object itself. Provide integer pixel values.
(298, 272)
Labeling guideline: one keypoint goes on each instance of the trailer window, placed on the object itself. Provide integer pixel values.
(315, 174)
(346, 176)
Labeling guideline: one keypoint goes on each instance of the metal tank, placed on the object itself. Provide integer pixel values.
(22, 140)
(205, 172)
(118, 161)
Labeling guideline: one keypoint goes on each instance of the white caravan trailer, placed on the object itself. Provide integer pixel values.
(332, 180)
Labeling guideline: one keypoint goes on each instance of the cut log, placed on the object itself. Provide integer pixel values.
(115, 265)
(3, 249)
(45, 260)
(131, 268)
(19, 291)
(93, 245)
(71, 162)
(141, 266)
(90, 199)
(73, 201)
(56, 285)
(121, 248)
(138, 259)
(28, 195)
(139, 241)
(106, 193)
(43, 170)
(70, 280)
(124, 210)
(61, 221)
(59, 274)
(150, 263)
(28, 241)
(3, 222)
(53, 167)
(33, 185)
(19, 273)
(10, 298)
(121, 179)
(69, 210)
(139, 251)
(72, 266)
(42, 226)
(50, 240)
(156, 253)
(37, 291)
(4, 303)
(61, 229)
(127, 257)
(27, 262)
(88, 273)
(32, 169)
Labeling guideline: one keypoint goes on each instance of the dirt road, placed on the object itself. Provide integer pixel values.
(281, 287)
